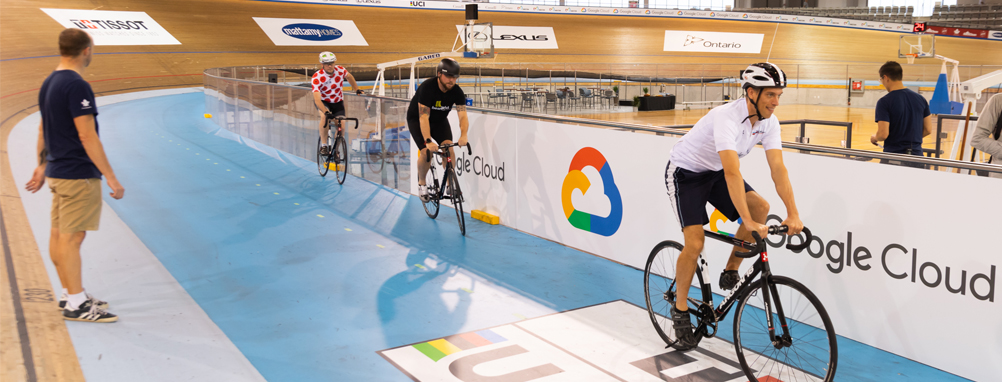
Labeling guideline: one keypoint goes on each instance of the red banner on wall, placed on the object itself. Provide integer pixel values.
(963, 32)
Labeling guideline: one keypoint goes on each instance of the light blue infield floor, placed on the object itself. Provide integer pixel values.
(313, 281)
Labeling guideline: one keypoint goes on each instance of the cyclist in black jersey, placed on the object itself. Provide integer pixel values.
(427, 116)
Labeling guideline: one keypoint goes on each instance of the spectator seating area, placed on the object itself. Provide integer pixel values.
(961, 16)
(893, 14)
(968, 16)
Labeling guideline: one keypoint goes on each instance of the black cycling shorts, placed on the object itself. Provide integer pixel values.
(337, 107)
(440, 132)
(689, 191)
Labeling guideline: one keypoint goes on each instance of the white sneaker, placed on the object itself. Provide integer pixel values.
(423, 192)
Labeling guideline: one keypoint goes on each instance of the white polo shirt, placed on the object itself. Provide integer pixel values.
(722, 129)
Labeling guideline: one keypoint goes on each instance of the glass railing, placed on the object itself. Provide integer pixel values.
(267, 105)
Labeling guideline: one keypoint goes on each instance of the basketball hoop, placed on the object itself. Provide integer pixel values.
(911, 57)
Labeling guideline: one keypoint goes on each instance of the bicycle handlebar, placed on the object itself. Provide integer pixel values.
(775, 230)
(441, 149)
(342, 118)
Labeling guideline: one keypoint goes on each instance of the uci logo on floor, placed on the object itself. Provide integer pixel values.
(577, 180)
(312, 32)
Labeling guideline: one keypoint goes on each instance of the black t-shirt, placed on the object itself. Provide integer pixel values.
(430, 95)
(904, 110)
(65, 95)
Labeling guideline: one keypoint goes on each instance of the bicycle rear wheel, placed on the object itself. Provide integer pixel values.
(811, 351)
(659, 287)
(457, 199)
(323, 161)
(432, 203)
(340, 154)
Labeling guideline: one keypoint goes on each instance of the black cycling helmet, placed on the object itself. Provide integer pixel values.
(761, 75)
(448, 67)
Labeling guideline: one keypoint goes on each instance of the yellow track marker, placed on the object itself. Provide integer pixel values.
(521, 317)
(241, 176)
(296, 203)
(258, 185)
(227, 169)
(380, 246)
(207, 115)
(420, 266)
(348, 229)
(466, 290)
(485, 217)
(275, 193)
(319, 215)
(215, 163)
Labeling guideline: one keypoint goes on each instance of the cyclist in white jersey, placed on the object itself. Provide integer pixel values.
(327, 93)
(704, 166)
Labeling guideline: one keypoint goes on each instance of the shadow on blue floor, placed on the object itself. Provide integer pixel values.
(309, 278)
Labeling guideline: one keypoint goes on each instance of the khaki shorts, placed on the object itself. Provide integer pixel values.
(76, 204)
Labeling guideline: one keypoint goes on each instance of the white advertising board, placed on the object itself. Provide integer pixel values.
(508, 37)
(713, 42)
(295, 32)
(891, 246)
(114, 27)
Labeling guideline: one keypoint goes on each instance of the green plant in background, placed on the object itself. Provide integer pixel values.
(616, 89)
(636, 100)
(646, 92)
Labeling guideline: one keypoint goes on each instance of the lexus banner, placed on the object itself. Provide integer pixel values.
(712, 42)
(506, 37)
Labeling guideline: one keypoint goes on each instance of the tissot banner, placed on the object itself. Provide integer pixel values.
(114, 27)
(713, 42)
(287, 32)
(507, 37)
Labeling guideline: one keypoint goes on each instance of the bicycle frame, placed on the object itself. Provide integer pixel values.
(448, 165)
(761, 266)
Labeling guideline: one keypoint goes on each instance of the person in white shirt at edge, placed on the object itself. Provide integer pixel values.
(704, 166)
(987, 135)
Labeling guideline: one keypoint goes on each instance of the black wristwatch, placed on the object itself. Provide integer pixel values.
(427, 140)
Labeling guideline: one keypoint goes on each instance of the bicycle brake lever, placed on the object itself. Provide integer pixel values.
(469, 148)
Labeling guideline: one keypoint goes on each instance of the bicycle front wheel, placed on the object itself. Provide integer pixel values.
(809, 353)
(323, 161)
(659, 287)
(457, 200)
(340, 155)
(432, 203)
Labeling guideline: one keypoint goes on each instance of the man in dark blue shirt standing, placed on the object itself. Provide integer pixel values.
(902, 115)
(72, 160)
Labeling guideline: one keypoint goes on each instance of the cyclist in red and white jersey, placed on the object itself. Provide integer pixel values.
(327, 93)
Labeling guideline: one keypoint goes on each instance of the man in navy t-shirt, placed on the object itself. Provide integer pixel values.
(902, 115)
(72, 160)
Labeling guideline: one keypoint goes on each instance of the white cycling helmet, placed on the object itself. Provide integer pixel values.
(763, 75)
(327, 57)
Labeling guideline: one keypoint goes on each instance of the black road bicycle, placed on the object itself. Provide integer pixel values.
(338, 154)
(781, 330)
(448, 189)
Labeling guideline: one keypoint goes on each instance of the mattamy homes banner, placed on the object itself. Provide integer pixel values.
(713, 42)
(882, 259)
(114, 27)
(294, 32)
(509, 37)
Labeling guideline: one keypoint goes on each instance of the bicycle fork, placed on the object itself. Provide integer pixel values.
(769, 292)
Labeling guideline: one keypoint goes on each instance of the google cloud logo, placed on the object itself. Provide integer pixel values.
(577, 180)
(615, 11)
(713, 14)
(647, 12)
(744, 16)
(679, 13)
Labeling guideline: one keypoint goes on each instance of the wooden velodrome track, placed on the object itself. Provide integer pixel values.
(221, 33)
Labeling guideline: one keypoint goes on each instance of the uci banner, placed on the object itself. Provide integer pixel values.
(295, 32)
(114, 27)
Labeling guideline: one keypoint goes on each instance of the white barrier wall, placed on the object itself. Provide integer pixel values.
(903, 259)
